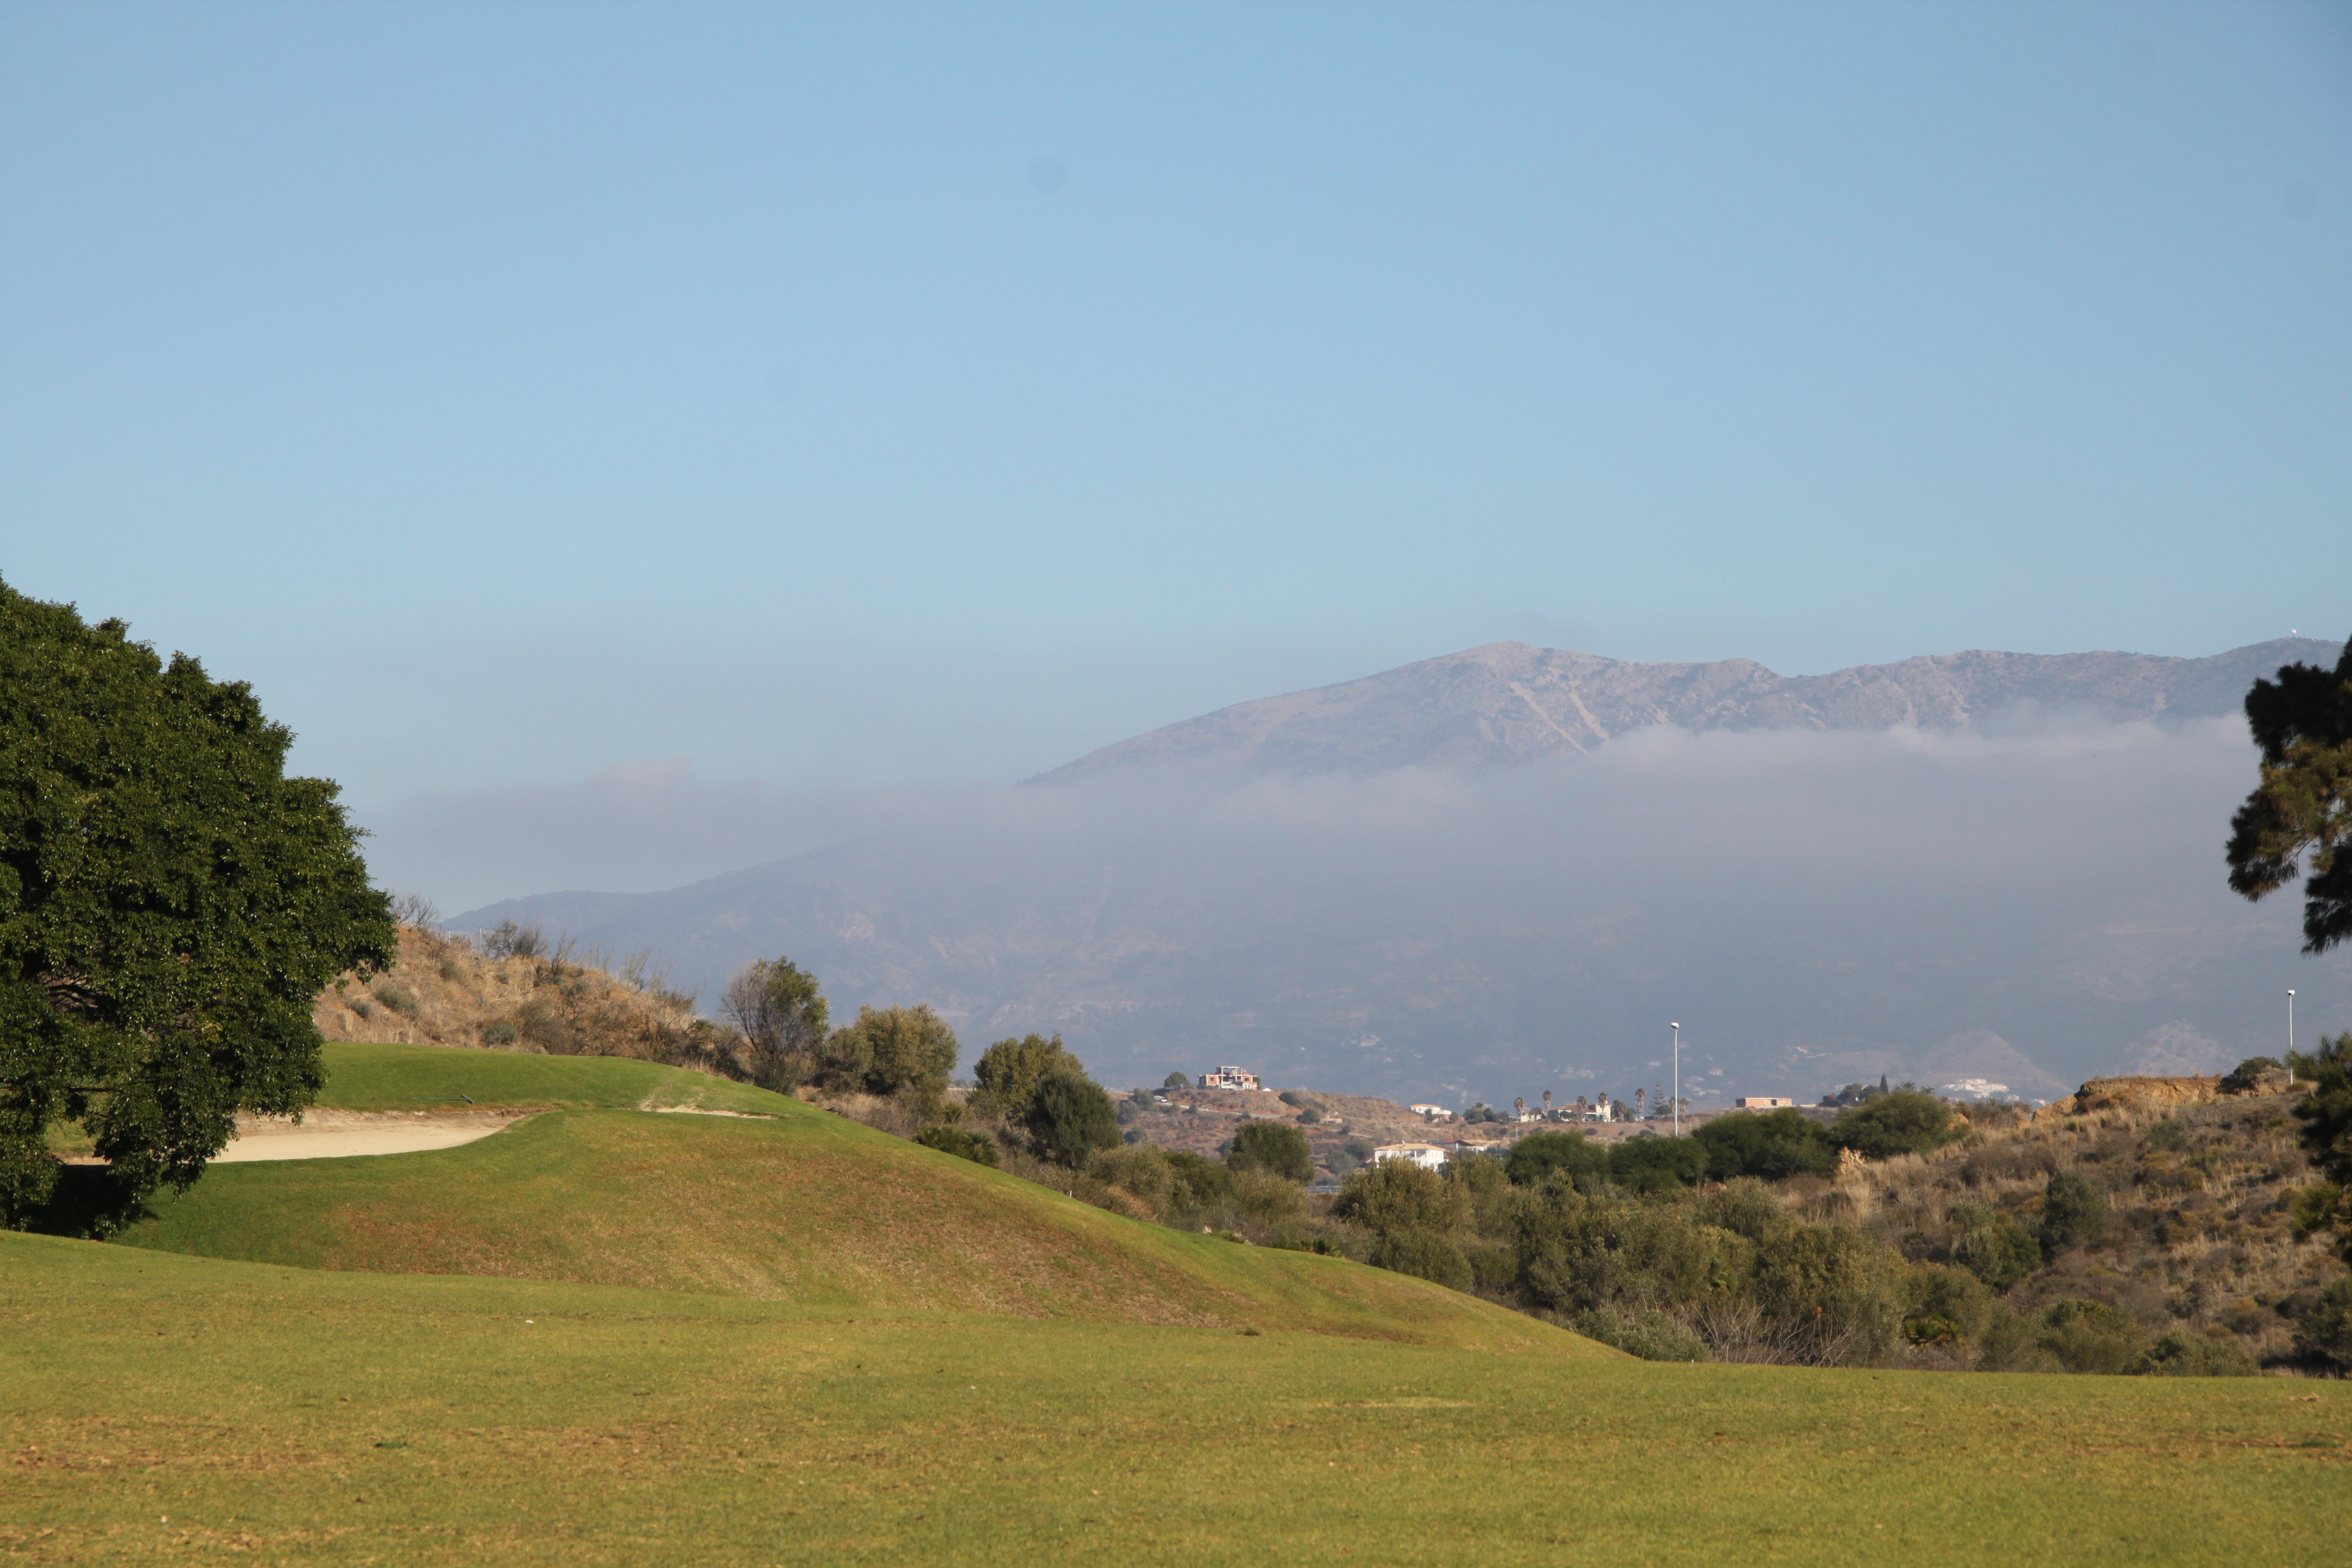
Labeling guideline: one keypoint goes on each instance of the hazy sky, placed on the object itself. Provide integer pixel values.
(831, 397)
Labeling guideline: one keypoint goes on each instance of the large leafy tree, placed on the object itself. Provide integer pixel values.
(1009, 1072)
(2301, 811)
(170, 905)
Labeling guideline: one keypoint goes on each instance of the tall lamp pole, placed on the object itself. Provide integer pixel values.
(1677, 1029)
(2290, 1022)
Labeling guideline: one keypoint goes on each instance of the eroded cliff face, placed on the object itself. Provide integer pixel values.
(2158, 1093)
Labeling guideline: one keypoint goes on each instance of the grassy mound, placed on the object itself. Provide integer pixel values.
(168, 1409)
(796, 1205)
(369, 1077)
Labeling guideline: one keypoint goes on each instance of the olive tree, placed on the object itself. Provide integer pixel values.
(784, 1017)
(1277, 1147)
(171, 903)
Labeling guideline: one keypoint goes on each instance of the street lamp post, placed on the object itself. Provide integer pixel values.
(2290, 1022)
(1677, 1029)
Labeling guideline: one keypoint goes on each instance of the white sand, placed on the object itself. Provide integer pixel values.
(334, 1143)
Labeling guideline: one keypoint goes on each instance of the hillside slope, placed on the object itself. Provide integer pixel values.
(795, 1206)
(1510, 702)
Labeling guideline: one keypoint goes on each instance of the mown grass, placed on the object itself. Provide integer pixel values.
(163, 1408)
(367, 1077)
(804, 1206)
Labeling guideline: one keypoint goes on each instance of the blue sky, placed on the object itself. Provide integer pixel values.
(838, 397)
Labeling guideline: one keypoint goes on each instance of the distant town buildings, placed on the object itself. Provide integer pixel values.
(1229, 1077)
(1429, 1110)
(1426, 1155)
(1761, 1102)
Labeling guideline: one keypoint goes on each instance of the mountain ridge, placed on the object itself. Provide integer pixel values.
(1506, 703)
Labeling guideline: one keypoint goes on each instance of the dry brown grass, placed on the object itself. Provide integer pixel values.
(441, 990)
(2199, 1230)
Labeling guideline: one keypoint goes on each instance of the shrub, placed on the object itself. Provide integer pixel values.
(2184, 1353)
(363, 1006)
(1657, 1164)
(2247, 1074)
(1391, 1196)
(1069, 1117)
(2091, 1336)
(1426, 1254)
(1139, 1169)
(451, 969)
(498, 1034)
(1197, 1182)
(2325, 1330)
(1994, 1248)
(1902, 1122)
(1775, 1145)
(1953, 1297)
(2073, 1211)
(513, 938)
(1831, 1295)
(957, 1142)
(1274, 1147)
(399, 998)
(1539, 1155)
(1650, 1335)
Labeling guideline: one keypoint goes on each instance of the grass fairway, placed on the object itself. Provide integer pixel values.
(162, 1408)
(806, 1207)
(361, 1076)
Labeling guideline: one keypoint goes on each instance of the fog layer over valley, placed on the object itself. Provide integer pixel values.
(2031, 899)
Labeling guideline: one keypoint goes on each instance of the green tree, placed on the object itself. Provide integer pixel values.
(1774, 1145)
(2301, 810)
(784, 1017)
(1176, 1081)
(1274, 1147)
(894, 1049)
(1009, 1071)
(170, 904)
(1541, 1154)
(1415, 1218)
(1070, 1116)
(2073, 1211)
(1899, 1121)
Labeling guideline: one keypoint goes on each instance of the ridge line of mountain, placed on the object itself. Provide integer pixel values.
(1505, 703)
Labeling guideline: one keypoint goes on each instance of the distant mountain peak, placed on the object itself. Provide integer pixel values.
(1505, 703)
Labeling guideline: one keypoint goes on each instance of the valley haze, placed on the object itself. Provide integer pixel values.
(1503, 871)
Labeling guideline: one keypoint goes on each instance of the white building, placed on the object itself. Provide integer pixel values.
(1425, 1154)
(1429, 1110)
(1229, 1077)
(1761, 1102)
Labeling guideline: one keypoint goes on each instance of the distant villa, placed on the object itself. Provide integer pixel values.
(1229, 1077)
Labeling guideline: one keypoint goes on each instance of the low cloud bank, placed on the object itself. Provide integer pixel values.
(2027, 907)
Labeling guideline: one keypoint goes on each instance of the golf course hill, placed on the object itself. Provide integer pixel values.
(631, 1174)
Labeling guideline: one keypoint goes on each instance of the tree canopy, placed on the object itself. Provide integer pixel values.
(170, 904)
(1009, 1072)
(894, 1049)
(1773, 1144)
(1539, 1155)
(1070, 1116)
(1906, 1121)
(2301, 810)
(1276, 1147)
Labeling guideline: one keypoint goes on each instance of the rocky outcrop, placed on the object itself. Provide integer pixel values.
(2156, 1093)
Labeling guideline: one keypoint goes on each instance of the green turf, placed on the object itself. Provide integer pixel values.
(804, 1206)
(364, 1076)
(168, 1409)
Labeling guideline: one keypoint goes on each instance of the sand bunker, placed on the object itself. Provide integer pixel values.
(333, 1142)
